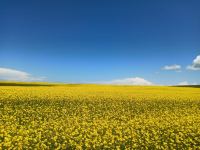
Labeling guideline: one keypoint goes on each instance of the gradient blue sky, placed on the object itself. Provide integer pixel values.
(92, 41)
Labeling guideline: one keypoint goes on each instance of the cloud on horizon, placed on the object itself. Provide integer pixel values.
(174, 67)
(16, 75)
(186, 83)
(128, 81)
(195, 65)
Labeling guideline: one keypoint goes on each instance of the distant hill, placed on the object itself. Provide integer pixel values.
(10, 83)
(195, 86)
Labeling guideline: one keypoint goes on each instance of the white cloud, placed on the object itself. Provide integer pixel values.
(195, 65)
(16, 75)
(172, 67)
(186, 83)
(183, 83)
(128, 81)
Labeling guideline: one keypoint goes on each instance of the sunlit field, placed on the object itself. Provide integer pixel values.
(48, 116)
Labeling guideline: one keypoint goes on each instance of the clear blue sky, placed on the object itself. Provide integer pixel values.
(89, 41)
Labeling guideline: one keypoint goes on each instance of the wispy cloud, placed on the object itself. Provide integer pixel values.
(183, 83)
(16, 75)
(195, 65)
(128, 81)
(186, 83)
(172, 67)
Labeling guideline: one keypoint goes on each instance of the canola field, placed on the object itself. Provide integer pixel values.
(99, 117)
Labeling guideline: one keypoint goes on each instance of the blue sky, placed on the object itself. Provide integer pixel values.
(101, 41)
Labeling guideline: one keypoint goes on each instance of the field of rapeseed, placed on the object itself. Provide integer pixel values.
(99, 117)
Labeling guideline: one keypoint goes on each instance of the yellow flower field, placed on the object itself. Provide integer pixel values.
(99, 117)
